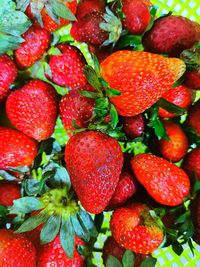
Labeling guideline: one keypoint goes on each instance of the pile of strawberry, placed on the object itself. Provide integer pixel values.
(141, 91)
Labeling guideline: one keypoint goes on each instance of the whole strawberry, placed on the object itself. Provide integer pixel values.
(164, 181)
(193, 117)
(15, 250)
(94, 161)
(171, 35)
(192, 79)
(141, 77)
(134, 229)
(36, 42)
(8, 74)
(67, 68)
(88, 6)
(134, 126)
(192, 163)
(9, 191)
(16, 149)
(33, 109)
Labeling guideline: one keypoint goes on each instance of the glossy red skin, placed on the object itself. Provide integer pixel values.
(9, 191)
(94, 161)
(165, 182)
(134, 126)
(137, 15)
(33, 109)
(37, 41)
(8, 73)
(67, 68)
(16, 149)
(192, 79)
(171, 35)
(181, 96)
(175, 148)
(16, 250)
(193, 117)
(52, 254)
(192, 163)
(88, 6)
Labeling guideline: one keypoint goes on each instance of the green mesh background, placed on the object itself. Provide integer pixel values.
(165, 256)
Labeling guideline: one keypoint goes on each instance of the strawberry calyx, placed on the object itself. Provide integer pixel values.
(191, 57)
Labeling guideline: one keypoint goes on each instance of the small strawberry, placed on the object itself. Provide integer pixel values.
(94, 161)
(181, 96)
(88, 6)
(193, 117)
(16, 149)
(192, 163)
(15, 250)
(36, 42)
(9, 191)
(8, 74)
(134, 229)
(164, 181)
(192, 79)
(134, 126)
(32, 109)
(176, 147)
(67, 68)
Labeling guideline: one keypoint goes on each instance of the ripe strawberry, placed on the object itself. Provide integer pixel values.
(88, 6)
(15, 250)
(94, 161)
(32, 109)
(193, 117)
(9, 191)
(175, 148)
(171, 35)
(8, 73)
(137, 15)
(133, 72)
(192, 163)
(134, 229)
(67, 68)
(196, 218)
(52, 254)
(134, 126)
(192, 79)
(36, 42)
(164, 181)
(181, 96)
(16, 149)
(73, 106)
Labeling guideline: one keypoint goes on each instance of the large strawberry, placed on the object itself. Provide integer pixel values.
(192, 163)
(9, 191)
(8, 73)
(134, 229)
(88, 6)
(94, 161)
(164, 181)
(36, 42)
(193, 117)
(16, 250)
(141, 77)
(33, 109)
(16, 149)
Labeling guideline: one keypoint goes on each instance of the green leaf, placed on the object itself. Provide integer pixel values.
(113, 262)
(96, 64)
(149, 262)
(20, 169)
(80, 229)
(3, 216)
(26, 205)
(50, 229)
(67, 237)
(128, 259)
(86, 220)
(32, 187)
(113, 92)
(179, 81)
(177, 248)
(54, 51)
(102, 103)
(114, 116)
(98, 220)
(153, 11)
(22, 4)
(134, 41)
(92, 78)
(7, 176)
(170, 107)
(61, 10)
(89, 94)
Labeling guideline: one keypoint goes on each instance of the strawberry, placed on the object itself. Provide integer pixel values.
(8, 74)
(101, 52)
(75, 107)
(134, 229)
(137, 15)
(171, 35)
(9, 191)
(36, 42)
(181, 96)
(192, 79)
(32, 109)
(196, 218)
(176, 147)
(16, 149)
(133, 72)
(192, 163)
(88, 6)
(193, 117)
(134, 126)
(15, 250)
(67, 68)
(164, 181)
(94, 161)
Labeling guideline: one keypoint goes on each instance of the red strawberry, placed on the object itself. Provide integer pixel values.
(67, 68)
(73, 106)
(192, 163)
(193, 117)
(8, 73)
(164, 181)
(16, 149)
(134, 229)
(171, 35)
(16, 250)
(134, 126)
(9, 191)
(175, 148)
(181, 96)
(125, 189)
(32, 109)
(137, 15)
(52, 254)
(141, 77)
(88, 6)
(192, 79)
(36, 42)
(94, 161)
